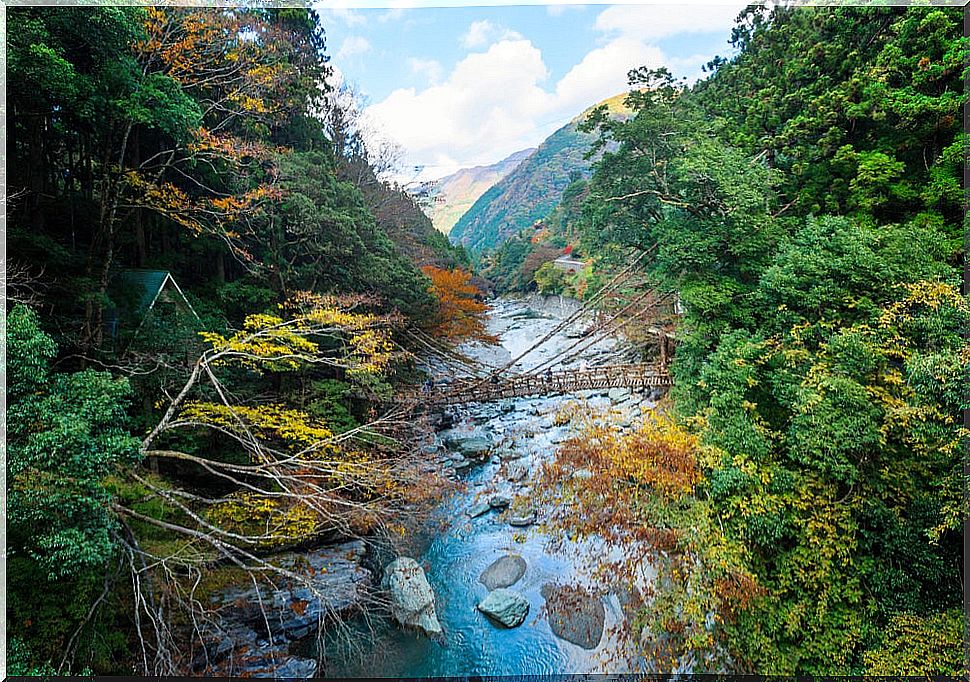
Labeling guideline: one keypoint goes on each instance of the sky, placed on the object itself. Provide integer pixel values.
(463, 86)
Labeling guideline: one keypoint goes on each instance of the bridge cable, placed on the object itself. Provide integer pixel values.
(614, 330)
(475, 367)
(598, 334)
(609, 286)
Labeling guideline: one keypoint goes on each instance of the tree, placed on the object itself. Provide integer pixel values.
(66, 435)
(461, 316)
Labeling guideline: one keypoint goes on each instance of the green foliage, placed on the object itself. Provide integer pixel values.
(550, 279)
(327, 400)
(803, 205)
(64, 437)
(326, 239)
(932, 645)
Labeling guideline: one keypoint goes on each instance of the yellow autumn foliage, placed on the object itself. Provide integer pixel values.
(274, 520)
(293, 428)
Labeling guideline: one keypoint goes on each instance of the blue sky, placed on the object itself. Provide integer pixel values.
(461, 86)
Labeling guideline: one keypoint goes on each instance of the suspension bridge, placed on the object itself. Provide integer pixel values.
(633, 376)
(477, 383)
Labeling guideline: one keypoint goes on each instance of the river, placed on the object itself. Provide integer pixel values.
(458, 548)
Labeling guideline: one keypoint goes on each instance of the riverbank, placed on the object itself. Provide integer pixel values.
(495, 451)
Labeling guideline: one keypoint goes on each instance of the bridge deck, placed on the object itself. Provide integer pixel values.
(563, 381)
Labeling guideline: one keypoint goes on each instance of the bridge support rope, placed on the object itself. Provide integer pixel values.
(571, 381)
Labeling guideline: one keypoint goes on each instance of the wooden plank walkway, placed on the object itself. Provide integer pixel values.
(563, 381)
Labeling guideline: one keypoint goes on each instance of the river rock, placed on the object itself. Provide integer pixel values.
(523, 519)
(505, 606)
(334, 581)
(478, 509)
(582, 474)
(503, 572)
(574, 614)
(262, 662)
(444, 421)
(474, 444)
(499, 502)
(412, 599)
(486, 413)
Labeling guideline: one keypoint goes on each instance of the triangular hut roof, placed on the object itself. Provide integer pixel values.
(145, 286)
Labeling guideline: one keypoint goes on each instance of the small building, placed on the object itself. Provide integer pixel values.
(567, 264)
(145, 298)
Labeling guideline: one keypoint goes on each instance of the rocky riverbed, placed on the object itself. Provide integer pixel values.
(507, 603)
(484, 592)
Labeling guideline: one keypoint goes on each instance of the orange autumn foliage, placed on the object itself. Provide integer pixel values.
(461, 315)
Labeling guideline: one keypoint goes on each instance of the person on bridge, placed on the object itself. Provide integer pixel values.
(549, 374)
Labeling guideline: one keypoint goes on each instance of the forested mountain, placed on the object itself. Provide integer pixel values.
(532, 189)
(206, 283)
(453, 195)
(212, 298)
(805, 202)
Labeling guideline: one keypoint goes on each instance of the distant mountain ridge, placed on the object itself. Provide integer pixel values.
(533, 188)
(456, 193)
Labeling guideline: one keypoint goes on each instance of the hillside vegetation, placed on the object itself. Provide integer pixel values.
(533, 189)
(453, 195)
(802, 503)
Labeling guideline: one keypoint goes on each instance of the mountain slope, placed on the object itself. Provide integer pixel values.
(533, 189)
(456, 193)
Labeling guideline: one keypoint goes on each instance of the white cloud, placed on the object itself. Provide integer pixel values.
(654, 22)
(353, 45)
(395, 14)
(603, 71)
(560, 8)
(487, 106)
(347, 16)
(429, 68)
(500, 98)
(482, 33)
(499, 101)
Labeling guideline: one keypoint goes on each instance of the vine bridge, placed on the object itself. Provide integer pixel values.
(469, 390)
(478, 383)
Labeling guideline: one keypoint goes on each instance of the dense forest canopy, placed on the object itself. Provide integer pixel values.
(208, 278)
(209, 286)
(805, 203)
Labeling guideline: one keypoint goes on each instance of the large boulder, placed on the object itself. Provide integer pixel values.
(412, 599)
(503, 572)
(506, 607)
(474, 444)
(618, 394)
(499, 502)
(478, 509)
(574, 614)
